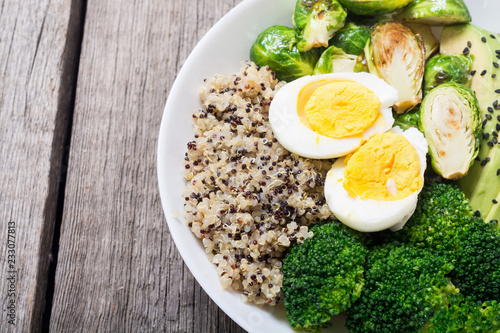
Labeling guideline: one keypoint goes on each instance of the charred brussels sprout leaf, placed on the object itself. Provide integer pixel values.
(335, 60)
(431, 43)
(351, 38)
(450, 121)
(275, 47)
(315, 22)
(373, 7)
(446, 68)
(435, 12)
(396, 54)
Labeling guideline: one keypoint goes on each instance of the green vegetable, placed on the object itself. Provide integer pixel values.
(445, 223)
(323, 276)
(334, 60)
(352, 38)
(450, 121)
(275, 47)
(463, 315)
(431, 43)
(373, 7)
(435, 12)
(404, 287)
(447, 68)
(397, 55)
(407, 120)
(315, 22)
(482, 182)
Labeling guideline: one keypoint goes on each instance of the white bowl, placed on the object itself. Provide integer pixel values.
(221, 50)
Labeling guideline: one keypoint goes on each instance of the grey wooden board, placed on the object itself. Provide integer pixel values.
(118, 269)
(38, 41)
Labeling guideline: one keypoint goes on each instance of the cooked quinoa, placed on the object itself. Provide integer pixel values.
(247, 197)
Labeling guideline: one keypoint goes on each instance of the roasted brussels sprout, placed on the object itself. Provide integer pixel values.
(396, 54)
(450, 121)
(315, 22)
(407, 120)
(435, 12)
(373, 7)
(334, 60)
(431, 43)
(275, 47)
(351, 38)
(446, 68)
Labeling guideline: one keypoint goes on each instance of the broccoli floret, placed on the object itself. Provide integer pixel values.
(465, 315)
(404, 286)
(323, 276)
(445, 222)
(477, 262)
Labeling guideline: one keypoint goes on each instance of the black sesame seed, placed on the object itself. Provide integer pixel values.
(490, 109)
(486, 136)
(486, 160)
(466, 51)
(484, 123)
(496, 64)
(483, 72)
(473, 72)
(483, 39)
(488, 116)
(498, 56)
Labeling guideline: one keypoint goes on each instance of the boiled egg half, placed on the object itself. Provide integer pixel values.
(331, 115)
(376, 187)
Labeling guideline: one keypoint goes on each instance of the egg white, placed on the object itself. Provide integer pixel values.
(296, 137)
(373, 215)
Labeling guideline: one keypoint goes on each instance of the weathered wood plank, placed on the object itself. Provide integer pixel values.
(118, 269)
(39, 41)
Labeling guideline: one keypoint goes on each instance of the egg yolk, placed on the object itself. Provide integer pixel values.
(338, 109)
(385, 168)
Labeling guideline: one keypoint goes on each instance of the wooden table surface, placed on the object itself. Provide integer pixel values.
(85, 244)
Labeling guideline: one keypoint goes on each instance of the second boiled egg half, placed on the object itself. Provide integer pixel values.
(331, 115)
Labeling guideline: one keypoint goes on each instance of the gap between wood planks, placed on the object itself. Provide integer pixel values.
(72, 73)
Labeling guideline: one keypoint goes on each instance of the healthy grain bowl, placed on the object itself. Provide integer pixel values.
(346, 175)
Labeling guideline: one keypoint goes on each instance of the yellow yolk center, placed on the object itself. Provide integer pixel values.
(385, 168)
(338, 109)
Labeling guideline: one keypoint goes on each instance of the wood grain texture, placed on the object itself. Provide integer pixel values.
(118, 269)
(38, 45)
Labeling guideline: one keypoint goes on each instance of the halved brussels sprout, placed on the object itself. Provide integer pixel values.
(447, 68)
(435, 12)
(396, 54)
(431, 43)
(373, 7)
(315, 22)
(335, 60)
(450, 121)
(351, 38)
(275, 47)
